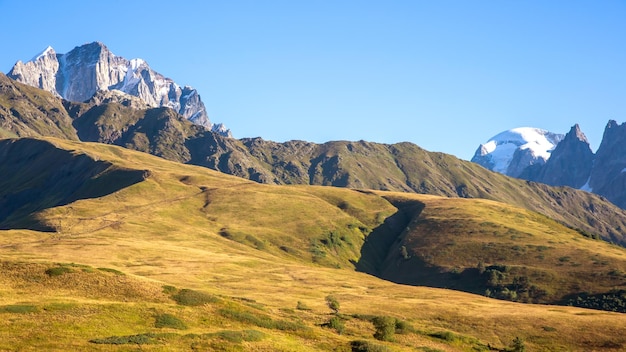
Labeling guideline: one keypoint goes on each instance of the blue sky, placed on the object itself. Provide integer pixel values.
(445, 75)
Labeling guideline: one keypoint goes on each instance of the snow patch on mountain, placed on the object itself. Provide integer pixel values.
(79, 74)
(510, 152)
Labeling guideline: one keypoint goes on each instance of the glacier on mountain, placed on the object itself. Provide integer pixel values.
(511, 151)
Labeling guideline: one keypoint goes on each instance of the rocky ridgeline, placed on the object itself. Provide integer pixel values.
(572, 163)
(79, 74)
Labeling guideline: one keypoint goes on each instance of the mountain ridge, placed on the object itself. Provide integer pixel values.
(80, 73)
(572, 163)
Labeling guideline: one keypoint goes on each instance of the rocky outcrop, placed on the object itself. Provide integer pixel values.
(608, 176)
(570, 162)
(79, 74)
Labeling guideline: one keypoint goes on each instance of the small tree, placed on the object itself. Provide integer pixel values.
(385, 328)
(518, 345)
(332, 303)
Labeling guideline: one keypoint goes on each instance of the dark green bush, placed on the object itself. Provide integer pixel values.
(366, 346)
(58, 271)
(187, 297)
(337, 324)
(332, 303)
(169, 321)
(385, 328)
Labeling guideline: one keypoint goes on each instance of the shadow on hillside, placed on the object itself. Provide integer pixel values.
(38, 176)
(383, 257)
(382, 241)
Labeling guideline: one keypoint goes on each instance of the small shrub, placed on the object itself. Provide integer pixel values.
(332, 303)
(169, 289)
(366, 346)
(58, 271)
(337, 324)
(402, 327)
(385, 328)
(517, 345)
(187, 297)
(302, 306)
(444, 335)
(169, 321)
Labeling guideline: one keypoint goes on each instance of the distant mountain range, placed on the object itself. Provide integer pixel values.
(87, 69)
(557, 160)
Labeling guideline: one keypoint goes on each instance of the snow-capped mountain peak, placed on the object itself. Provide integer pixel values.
(511, 151)
(45, 52)
(79, 74)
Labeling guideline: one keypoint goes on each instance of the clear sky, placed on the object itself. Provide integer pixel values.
(445, 75)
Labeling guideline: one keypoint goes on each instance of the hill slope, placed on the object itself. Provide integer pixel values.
(398, 167)
(260, 259)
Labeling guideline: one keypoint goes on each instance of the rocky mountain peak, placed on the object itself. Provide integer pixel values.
(512, 151)
(570, 163)
(87, 69)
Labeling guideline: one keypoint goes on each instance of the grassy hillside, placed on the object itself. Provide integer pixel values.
(190, 259)
(503, 251)
(30, 112)
(119, 120)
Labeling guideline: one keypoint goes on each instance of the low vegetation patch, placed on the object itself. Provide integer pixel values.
(386, 326)
(366, 346)
(169, 321)
(239, 336)
(187, 297)
(109, 270)
(139, 339)
(260, 320)
(613, 301)
(58, 271)
(19, 309)
(336, 323)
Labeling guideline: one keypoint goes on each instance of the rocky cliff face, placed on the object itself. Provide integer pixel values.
(608, 176)
(570, 163)
(81, 73)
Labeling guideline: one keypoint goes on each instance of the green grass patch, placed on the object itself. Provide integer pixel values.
(19, 309)
(109, 270)
(260, 320)
(187, 297)
(366, 346)
(169, 321)
(139, 339)
(239, 336)
(58, 271)
(169, 289)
